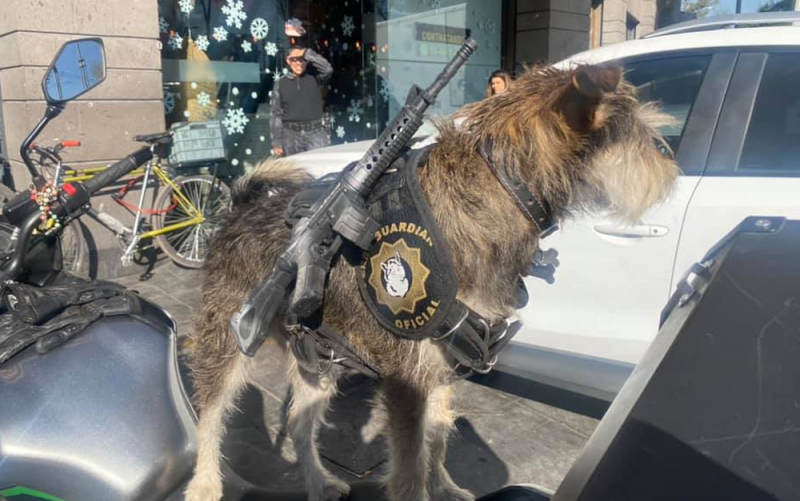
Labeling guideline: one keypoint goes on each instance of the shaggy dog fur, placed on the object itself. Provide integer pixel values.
(577, 137)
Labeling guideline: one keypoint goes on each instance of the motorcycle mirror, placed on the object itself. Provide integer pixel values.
(79, 66)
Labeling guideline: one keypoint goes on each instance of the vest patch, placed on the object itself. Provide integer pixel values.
(406, 276)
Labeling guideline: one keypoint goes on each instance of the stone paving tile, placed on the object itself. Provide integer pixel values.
(501, 437)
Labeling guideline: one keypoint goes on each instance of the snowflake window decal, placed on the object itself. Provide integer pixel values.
(163, 25)
(220, 34)
(169, 101)
(385, 91)
(234, 12)
(271, 49)
(340, 132)
(176, 41)
(354, 111)
(259, 28)
(186, 6)
(435, 4)
(235, 121)
(202, 43)
(348, 26)
(203, 99)
(247, 46)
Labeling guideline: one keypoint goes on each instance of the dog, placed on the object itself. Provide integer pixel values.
(578, 137)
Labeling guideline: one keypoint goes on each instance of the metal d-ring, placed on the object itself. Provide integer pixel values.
(488, 368)
(486, 331)
(455, 327)
(330, 362)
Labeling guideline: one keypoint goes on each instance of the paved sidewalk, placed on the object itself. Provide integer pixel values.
(505, 434)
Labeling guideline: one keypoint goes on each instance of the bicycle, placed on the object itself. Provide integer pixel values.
(184, 214)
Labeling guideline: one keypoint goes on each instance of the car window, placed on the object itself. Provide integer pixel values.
(673, 83)
(772, 143)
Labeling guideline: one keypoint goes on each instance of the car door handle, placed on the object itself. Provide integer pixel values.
(636, 230)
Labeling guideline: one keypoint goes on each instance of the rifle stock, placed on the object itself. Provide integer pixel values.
(340, 213)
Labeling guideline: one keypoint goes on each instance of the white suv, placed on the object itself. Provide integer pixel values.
(736, 96)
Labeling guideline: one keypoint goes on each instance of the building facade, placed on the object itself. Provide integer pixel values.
(177, 61)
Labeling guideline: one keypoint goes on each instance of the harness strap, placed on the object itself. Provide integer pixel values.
(536, 209)
(471, 341)
(318, 349)
(465, 336)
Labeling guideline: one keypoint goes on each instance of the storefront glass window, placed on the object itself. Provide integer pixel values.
(221, 59)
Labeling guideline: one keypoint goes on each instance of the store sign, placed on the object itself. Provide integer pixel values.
(441, 34)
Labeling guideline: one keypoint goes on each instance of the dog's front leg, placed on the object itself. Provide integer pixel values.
(408, 451)
(310, 398)
(439, 423)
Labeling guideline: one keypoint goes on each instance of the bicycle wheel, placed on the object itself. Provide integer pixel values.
(74, 252)
(187, 246)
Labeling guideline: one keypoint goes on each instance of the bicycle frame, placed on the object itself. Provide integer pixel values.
(196, 215)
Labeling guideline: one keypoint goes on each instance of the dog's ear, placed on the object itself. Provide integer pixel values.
(580, 98)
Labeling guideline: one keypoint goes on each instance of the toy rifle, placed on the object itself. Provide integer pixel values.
(340, 213)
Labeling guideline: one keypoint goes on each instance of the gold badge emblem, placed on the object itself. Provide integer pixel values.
(398, 276)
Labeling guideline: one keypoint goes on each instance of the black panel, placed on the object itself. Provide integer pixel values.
(712, 413)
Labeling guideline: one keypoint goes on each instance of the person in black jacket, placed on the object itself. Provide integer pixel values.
(296, 119)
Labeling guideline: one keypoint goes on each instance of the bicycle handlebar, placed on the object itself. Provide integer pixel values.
(118, 169)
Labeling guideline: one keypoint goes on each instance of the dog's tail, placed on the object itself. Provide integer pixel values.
(269, 178)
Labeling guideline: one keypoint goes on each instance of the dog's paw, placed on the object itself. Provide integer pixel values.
(202, 488)
(335, 490)
(453, 493)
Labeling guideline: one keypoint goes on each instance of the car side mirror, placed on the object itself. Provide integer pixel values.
(78, 67)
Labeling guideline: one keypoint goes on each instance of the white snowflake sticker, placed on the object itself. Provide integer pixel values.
(435, 4)
(186, 6)
(385, 91)
(220, 34)
(348, 26)
(235, 121)
(247, 46)
(354, 111)
(176, 41)
(163, 25)
(340, 132)
(259, 28)
(202, 43)
(203, 99)
(235, 91)
(271, 49)
(276, 76)
(234, 13)
(169, 101)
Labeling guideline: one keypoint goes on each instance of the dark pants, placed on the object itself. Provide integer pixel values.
(295, 141)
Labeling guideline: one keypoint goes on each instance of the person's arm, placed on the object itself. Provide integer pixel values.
(321, 66)
(276, 120)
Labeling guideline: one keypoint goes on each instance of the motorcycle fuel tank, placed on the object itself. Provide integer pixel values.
(103, 417)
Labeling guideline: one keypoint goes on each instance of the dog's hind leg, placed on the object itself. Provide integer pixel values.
(439, 422)
(311, 395)
(218, 391)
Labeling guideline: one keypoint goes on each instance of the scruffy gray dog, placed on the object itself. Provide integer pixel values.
(578, 137)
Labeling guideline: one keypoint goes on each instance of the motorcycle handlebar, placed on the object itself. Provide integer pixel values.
(118, 169)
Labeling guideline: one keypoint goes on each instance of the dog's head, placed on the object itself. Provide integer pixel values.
(581, 137)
